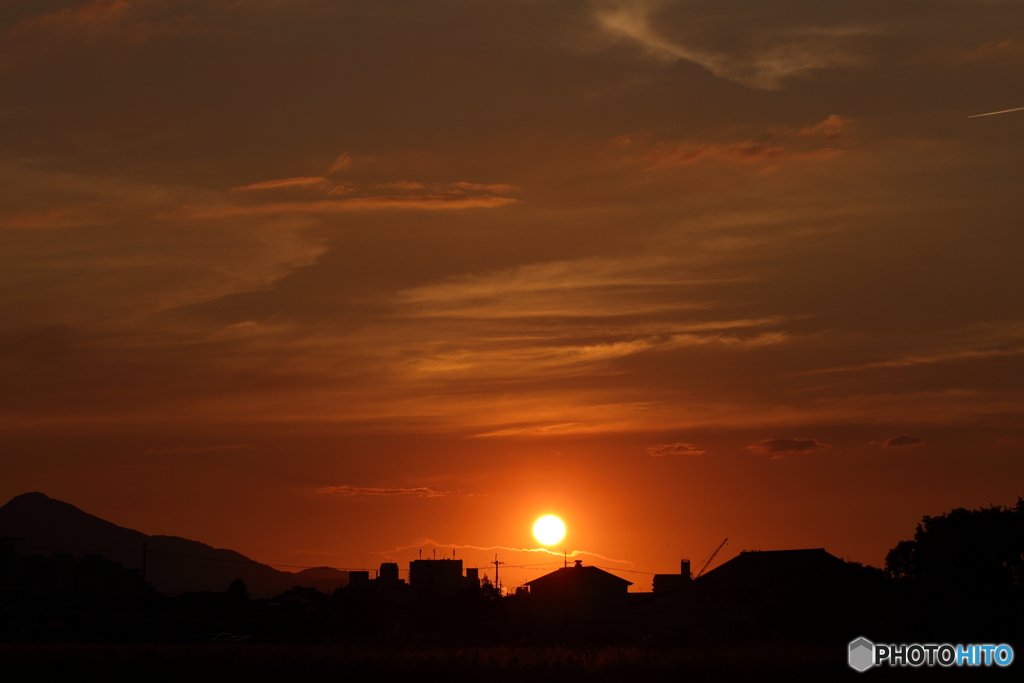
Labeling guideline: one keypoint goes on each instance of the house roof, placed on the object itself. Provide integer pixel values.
(578, 574)
(763, 567)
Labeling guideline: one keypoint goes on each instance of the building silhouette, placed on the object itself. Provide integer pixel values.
(385, 587)
(781, 593)
(674, 583)
(578, 603)
(442, 579)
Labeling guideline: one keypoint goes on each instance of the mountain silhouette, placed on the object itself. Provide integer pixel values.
(173, 564)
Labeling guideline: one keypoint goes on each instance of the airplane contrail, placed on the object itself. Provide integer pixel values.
(992, 113)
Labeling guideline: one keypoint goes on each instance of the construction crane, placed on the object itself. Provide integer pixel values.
(711, 558)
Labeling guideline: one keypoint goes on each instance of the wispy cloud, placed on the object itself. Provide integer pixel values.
(1003, 50)
(478, 187)
(103, 223)
(404, 194)
(86, 13)
(341, 162)
(832, 128)
(665, 449)
(904, 440)
(765, 64)
(189, 450)
(103, 21)
(927, 359)
(779, 144)
(778, 448)
(578, 288)
(458, 188)
(435, 203)
(54, 218)
(428, 542)
(419, 491)
(691, 153)
(515, 360)
(283, 182)
(632, 20)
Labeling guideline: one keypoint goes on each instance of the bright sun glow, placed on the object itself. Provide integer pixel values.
(549, 530)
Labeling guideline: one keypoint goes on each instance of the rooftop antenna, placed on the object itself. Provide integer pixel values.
(710, 558)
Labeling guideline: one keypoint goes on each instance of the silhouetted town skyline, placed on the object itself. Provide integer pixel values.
(803, 595)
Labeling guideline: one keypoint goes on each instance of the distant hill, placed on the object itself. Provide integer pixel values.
(173, 564)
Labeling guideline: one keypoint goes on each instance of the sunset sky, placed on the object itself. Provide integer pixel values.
(327, 282)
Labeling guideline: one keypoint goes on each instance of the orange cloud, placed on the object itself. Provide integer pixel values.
(904, 441)
(446, 188)
(691, 153)
(777, 58)
(1004, 49)
(341, 162)
(749, 151)
(98, 10)
(546, 551)
(910, 361)
(832, 127)
(55, 218)
(101, 19)
(419, 491)
(188, 450)
(477, 187)
(780, 448)
(403, 185)
(283, 182)
(661, 450)
(346, 205)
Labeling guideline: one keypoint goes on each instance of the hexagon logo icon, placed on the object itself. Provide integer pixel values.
(862, 654)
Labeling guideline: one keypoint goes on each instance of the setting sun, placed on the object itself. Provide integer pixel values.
(549, 530)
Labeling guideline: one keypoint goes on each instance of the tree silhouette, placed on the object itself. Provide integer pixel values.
(238, 592)
(488, 591)
(970, 553)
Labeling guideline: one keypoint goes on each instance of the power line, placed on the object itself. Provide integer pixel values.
(630, 571)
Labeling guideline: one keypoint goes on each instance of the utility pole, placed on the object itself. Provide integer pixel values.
(497, 584)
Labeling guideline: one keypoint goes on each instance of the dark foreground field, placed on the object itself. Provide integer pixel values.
(533, 665)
